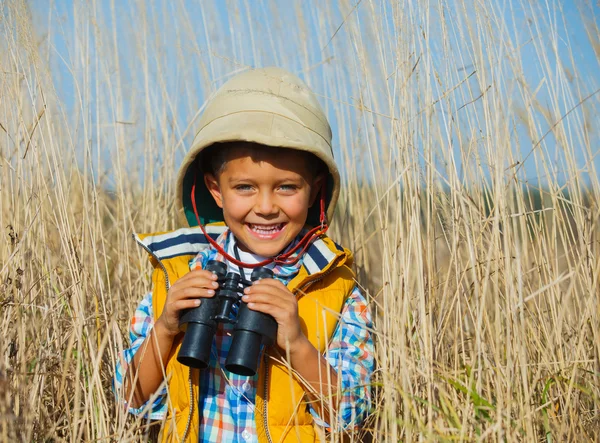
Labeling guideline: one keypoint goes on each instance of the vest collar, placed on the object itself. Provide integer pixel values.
(190, 241)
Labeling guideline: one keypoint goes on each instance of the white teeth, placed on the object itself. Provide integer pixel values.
(262, 229)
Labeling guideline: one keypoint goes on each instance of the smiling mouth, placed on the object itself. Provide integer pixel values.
(266, 229)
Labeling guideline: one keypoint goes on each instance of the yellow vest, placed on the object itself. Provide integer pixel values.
(322, 285)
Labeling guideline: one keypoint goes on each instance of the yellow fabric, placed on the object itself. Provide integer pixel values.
(320, 300)
(318, 308)
(178, 374)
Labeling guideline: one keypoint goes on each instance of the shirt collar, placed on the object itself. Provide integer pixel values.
(281, 271)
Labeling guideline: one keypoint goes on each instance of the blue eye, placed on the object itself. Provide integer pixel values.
(243, 187)
(288, 187)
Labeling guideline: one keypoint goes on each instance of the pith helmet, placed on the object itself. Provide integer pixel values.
(268, 106)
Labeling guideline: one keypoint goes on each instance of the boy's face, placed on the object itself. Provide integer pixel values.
(265, 201)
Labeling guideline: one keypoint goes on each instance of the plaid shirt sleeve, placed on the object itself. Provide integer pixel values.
(200, 260)
(351, 354)
(141, 325)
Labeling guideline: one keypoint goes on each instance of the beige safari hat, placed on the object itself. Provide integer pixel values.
(268, 106)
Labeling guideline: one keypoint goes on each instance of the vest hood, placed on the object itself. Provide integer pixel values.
(163, 246)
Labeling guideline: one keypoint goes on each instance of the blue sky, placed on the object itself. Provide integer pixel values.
(309, 39)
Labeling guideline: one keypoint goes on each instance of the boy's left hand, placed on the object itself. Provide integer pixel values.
(271, 297)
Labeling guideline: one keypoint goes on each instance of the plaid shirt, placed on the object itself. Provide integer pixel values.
(227, 400)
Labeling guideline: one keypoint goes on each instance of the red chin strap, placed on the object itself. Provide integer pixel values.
(282, 259)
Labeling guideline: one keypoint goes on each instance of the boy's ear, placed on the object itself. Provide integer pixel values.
(212, 184)
(315, 189)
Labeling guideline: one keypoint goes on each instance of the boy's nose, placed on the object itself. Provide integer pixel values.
(265, 204)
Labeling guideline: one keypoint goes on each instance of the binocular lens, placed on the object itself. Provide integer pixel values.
(196, 345)
(243, 353)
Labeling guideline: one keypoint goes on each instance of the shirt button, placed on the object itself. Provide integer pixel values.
(246, 386)
(246, 435)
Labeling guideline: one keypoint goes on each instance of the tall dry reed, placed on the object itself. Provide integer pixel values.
(468, 136)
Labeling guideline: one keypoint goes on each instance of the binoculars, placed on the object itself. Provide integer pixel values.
(251, 328)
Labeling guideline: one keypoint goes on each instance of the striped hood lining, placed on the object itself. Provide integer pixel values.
(185, 241)
(190, 241)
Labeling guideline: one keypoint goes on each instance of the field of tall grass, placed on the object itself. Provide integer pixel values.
(468, 136)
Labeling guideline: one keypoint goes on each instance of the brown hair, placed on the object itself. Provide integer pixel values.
(214, 158)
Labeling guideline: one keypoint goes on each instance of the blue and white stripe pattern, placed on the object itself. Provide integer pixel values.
(318, 256)
(191, 241)
(186, 241)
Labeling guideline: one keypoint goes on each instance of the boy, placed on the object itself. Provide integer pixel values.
(256, 187)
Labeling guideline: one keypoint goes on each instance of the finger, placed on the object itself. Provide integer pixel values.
(283, 317)
(186, 304)
(193, 292)
(270, 299)
(276, 312)
(197, 281)
(271, 290)
(199, 273)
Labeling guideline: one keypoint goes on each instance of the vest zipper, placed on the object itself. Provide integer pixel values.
(145, 248)
(266, 385)
(189, 420)
(265, 408)
(167, 286)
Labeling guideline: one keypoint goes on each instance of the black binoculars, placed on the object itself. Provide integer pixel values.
(251, 328)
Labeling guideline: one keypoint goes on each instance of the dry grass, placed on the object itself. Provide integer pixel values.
(485, 288)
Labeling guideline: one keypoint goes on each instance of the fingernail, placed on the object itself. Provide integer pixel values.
(215, 284)
(197, 302)
(245, 297)
(213, 276)
(246, 290)
(210, 292)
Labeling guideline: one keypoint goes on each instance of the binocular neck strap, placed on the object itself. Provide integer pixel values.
(236, 251)
(285, 259)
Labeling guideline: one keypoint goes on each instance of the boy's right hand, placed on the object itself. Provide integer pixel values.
(185, 294)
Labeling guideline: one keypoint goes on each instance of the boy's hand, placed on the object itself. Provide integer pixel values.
(185, 294)
(271, 297)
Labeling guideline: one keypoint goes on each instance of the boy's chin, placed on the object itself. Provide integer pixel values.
(267, 248)
(263, 249)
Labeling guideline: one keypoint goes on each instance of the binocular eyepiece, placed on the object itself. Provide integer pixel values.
(251, 328)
